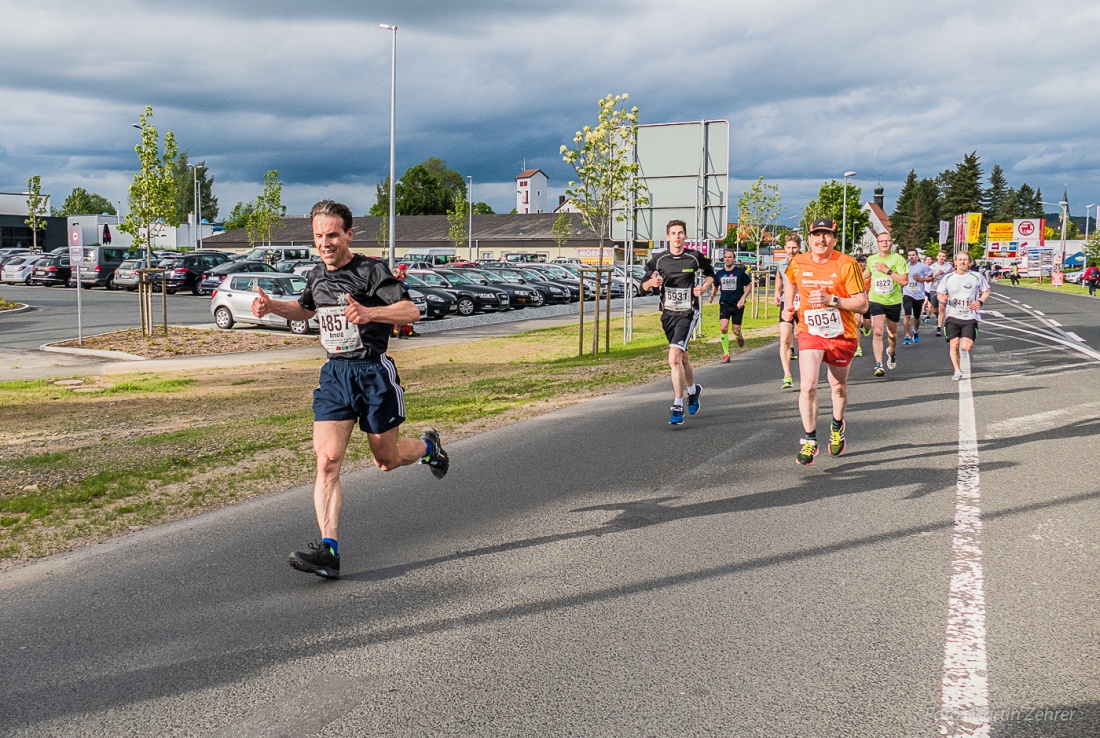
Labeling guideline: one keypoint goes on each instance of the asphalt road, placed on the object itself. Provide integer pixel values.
(594, 572)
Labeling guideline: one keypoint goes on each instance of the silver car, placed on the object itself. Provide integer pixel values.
(232, 300)
(126, 274)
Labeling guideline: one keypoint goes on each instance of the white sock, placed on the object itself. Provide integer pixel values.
(678, 402)
(692, 390)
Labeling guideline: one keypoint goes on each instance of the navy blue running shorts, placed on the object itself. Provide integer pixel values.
(367, 390)
(955, 328)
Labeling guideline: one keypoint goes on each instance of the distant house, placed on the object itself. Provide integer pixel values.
(879, 222)
(531, 187)
(565, 206)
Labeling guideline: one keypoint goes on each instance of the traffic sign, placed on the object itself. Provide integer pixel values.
(76, 244)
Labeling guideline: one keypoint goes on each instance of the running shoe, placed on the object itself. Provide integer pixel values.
(916, 338)
(866, 331)
(807, 453)
(859, 351)
(891, 361)
(693, 400)
(836, 439)
(740, 341)
(788, 382)
(318, 560)
(879, 371)
(957, 376)
(794, 353)
(438, 462)
(676, 415)
(725, 358)
(906, 342)
(939, 331)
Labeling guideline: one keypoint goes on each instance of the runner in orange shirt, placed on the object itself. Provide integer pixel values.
(831, 292)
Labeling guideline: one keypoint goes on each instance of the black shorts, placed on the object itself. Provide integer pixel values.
(933, 298)
(892, 312)
(678, 327)
(794, 315)
(955, 328)
(365, 390)
(912, 305)
(730, 312)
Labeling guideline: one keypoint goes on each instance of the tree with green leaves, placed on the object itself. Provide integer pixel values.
(830, 204)
(995, 197)
(185, 189)
(238, 216)
(36, 210)
(382, 237)
(560, 230)
(483, 208)
(153, 191)
(962, 191)
(428, 188)
(82, 202)
(757, 209)
(458, 220)
(903, 208)
(267, 211)
(607, 175)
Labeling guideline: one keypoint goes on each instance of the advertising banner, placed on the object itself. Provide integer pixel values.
(1000, 232)
(973, 227)
(945, 227)
(1029, 232)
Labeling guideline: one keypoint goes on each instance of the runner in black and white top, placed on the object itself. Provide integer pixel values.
(962, 294)
(357, 302)
(682, 277)
(733, 285)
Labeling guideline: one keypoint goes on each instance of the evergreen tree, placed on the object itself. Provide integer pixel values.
(924, 225)
(903, 209)
(994, 196)
(1027, 202)
(963, 191)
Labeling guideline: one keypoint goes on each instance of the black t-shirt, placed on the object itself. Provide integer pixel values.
(368, 281)
(679, 273)
(732, 283)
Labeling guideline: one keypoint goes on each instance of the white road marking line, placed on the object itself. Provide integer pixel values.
(1054, 323)
(1036, 311)
(1024, 305)
(1074, 336)
(964, 704)
(995, 313)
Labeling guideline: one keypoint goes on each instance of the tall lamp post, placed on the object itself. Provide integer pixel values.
(1065, 217)
(196, 200)
(1084, 254)
(393, 108)
(470, 232)
(844, 215)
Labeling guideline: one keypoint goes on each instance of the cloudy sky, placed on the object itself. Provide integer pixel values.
(810, 88)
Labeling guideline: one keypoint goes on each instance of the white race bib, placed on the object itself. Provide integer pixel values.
(824, 322)
(729, 284)
(338, 334)
(883, 285)
(678, 299)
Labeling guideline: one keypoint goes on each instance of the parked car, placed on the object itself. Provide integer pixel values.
(231, 302)
(100, 263)
(472, 297)
(274, 254)
(19, 269)
(8, 254)
(297, 266)
(1074, 277)
(126, 275)
(53, 269)
(186, 272)
(420, 300)
(441, 303)
(550, 292)
(559, 273)
(520, 295)
(212, 277)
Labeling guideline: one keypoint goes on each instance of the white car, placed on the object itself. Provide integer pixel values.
(19, 269)
(231, 301)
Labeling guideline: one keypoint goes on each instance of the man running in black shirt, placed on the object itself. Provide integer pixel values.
(682, 277)
(357, 302)
(733, 285)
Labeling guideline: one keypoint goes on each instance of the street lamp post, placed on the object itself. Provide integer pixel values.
(393, 108)
(1088, 208)
(1065, 217)
(197, 202)
(470, 232)
(844, 214)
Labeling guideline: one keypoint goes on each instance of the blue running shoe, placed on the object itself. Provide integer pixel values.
(907, 341)
(916, 338)
(676, 415)
(693, 400)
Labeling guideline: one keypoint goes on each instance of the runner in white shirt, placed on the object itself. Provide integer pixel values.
(912, 296)
(941, 267)
(962, 294)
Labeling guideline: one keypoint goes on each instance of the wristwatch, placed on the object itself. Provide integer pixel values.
(835, 301)
(889, 272)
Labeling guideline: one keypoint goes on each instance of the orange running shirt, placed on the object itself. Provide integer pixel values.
(841, 275)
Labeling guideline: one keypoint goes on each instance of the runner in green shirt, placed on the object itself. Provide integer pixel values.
(886, 273)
